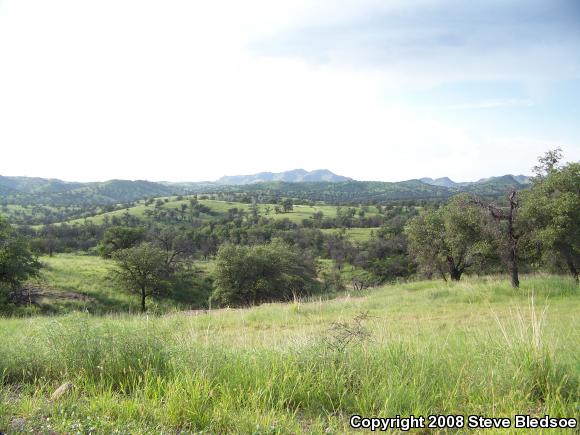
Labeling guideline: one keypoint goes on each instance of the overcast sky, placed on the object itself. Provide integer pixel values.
(375, 90)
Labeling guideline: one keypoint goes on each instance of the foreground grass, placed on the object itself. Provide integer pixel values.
(471, 347)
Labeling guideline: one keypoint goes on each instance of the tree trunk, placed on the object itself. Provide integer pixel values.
(454, 271)
(143, 300)
(455, 274)
(572, 267)
(514, 269)
(512, 238)
(513, 241)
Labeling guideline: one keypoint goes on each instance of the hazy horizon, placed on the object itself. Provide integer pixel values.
(231, 175)
(372, 90)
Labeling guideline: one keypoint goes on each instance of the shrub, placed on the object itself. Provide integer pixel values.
(117, 238)
(17, 262)
(248, 275)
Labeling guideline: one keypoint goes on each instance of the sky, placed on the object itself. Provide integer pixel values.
(185, 90)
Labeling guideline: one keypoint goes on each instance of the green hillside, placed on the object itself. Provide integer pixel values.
(346, 192)
(220, 208)
(495, 185)
(37, 191)
(35, 185)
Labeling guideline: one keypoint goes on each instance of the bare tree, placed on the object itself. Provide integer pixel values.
(175, 245)
(507, 214)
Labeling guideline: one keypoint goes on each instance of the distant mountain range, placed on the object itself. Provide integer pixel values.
(318, 185)
(31, 190)
(293, 176)
(505, 179)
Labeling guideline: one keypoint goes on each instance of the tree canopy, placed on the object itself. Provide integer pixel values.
(17, 261)
(247, 275)
(118, 237)
(141, 269)
(552, 208)
(450, 239)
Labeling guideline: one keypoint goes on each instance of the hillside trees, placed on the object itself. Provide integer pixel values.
(339, 249)
(552, 208)
(450, 239)
(17, 262)
(51, 239)
(385, 255)
(248, 275)
(120, 237)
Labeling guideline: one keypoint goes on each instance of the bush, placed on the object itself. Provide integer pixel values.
(117, 238)
(17, 262)
(248, 275)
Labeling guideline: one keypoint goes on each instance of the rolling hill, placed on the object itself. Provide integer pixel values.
(320, 185)
(35, 185)
(504, 180)
(25, 190)
(218, 208)
(442, 182)
(345, 192)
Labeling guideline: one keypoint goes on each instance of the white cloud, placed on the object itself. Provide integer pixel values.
(490, 104)
(426, 42)
(170, 90)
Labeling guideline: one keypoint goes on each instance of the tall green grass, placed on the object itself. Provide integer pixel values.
(470, 347)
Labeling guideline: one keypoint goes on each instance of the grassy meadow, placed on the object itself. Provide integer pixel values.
(76, 282)
(353, 234)
(297, 215)
(421, 348)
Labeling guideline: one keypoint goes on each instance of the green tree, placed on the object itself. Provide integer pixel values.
(254, 212)
(287, 205)
(17, 261)
(552, 209)
(548, 163)
(248, 275)
(116, 238)
(142, 270)
(450, 239)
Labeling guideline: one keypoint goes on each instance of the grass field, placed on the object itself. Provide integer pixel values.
(424, 348)
(75, 282)
(299, 213)
(354, 234)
